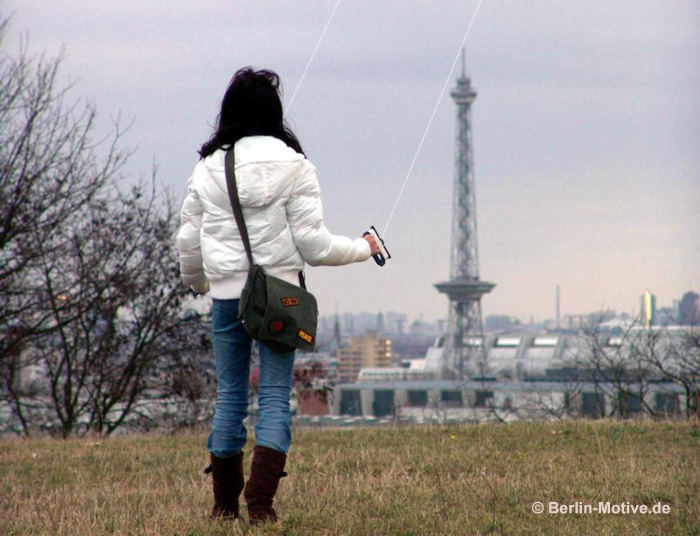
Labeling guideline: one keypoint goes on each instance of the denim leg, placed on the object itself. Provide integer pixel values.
(232, 358)
(273, 428)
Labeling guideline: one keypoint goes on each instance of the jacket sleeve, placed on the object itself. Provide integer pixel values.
(188, 242)
(315, 243)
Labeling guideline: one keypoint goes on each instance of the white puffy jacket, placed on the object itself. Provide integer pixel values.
(281, 201)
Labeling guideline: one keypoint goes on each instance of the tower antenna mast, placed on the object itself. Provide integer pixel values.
(464, 351)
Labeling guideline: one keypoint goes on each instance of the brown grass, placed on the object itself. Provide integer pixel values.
(472, 479)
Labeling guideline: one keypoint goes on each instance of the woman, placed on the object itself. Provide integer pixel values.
(281, 201)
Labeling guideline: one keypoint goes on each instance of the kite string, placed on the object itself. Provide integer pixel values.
(311, 58)
(432, 116)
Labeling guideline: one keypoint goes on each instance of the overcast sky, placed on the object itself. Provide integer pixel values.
(586, 130)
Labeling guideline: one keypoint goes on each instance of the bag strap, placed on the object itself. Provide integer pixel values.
(236, 204)
(232, 188)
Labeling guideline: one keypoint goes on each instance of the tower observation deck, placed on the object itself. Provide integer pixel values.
(463, 352)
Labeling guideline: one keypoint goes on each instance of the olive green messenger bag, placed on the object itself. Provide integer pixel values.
(278, 314)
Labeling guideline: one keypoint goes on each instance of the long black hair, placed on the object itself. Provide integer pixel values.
(251, 106)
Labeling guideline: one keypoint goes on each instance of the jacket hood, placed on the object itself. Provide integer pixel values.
(276, 165)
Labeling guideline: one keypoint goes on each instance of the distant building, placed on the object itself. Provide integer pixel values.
(421, 328)
(383, 374)
(380, 322)
(410, 346)
(536, 374)
(349, 323)
(366, 351)
(313, 401)
(500, 323)
(539, 355)
(647, 310)
(311, 385)
(394, 322)
(667, 316)
(587, 321)
(689, 309)
(483, 401)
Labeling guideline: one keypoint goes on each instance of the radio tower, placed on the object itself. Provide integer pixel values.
(463, 353)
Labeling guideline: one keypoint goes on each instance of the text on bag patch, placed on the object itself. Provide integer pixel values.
(291, 302)
(305, 336)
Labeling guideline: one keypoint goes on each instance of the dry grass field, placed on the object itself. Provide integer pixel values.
(433, 480)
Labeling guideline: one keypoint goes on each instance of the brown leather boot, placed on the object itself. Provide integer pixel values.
(265, 472)
(227, 478)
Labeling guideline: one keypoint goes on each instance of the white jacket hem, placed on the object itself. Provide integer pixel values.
(231, 286)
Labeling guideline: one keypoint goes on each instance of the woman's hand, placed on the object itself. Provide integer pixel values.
(374, 248)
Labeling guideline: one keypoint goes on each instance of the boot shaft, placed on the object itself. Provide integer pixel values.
(266, 470)
(227, 484)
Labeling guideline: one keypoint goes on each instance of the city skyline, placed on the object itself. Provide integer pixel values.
(367, 318)
(585, 132)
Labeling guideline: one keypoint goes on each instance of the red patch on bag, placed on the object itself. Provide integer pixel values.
(275, 326)
(306, 337)
(291, 302)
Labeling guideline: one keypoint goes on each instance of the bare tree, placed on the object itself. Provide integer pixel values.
(48, 170)
(679, 364)
(88, 273)
(191, 377)
(642, 360)
(119, 268)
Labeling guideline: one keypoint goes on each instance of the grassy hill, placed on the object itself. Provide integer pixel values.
(432, 480)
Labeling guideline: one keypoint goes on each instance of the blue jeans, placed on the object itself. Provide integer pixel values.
(232, 346)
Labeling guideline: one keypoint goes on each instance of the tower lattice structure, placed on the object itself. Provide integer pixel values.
(463, 353)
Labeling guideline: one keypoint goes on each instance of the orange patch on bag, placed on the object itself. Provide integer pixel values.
(291, 302)
(307, 337)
